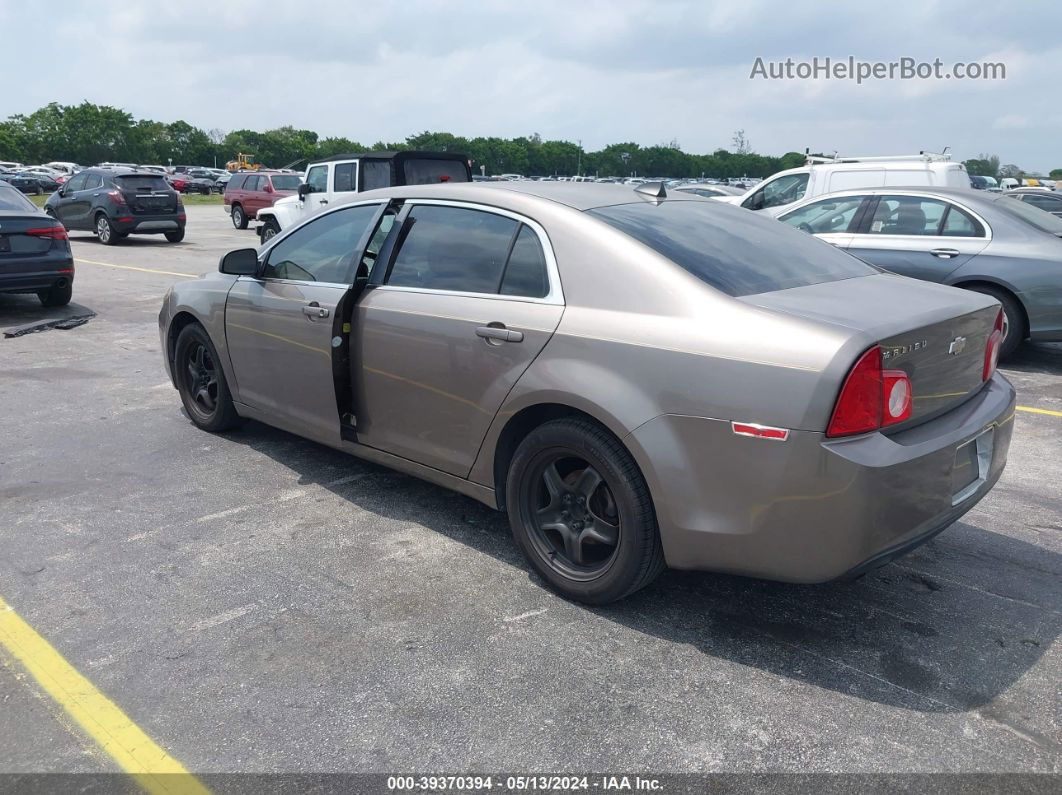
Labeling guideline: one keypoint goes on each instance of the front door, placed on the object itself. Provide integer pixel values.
(281, 327)
(918, 236)
(66, 209)
(460, 310)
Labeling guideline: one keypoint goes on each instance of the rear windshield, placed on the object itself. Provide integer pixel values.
(12, 199)
(1034, 216)
(427, 172)
(142, 182)
(286, 181)
(736, 251)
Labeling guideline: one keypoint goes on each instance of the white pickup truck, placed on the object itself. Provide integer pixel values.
(340, 178)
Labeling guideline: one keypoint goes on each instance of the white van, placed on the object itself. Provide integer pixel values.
(827, 174)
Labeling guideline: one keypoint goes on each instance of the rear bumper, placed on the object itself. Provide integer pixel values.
(148, 224)
(40, 274)
(811, 509)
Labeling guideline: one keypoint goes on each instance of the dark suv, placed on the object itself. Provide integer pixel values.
(117, 202)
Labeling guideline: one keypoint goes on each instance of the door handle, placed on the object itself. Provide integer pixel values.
(497, 334)
(945, 253)
(314, 310)
(323, 201)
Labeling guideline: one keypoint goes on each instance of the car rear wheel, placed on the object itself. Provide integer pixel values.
(201, 381)
(57, 296)
(239, 217)
(581, 512)
(104, 231)
(1014, 330)
(176, 236)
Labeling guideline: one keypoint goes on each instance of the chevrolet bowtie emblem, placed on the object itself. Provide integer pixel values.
(958, 345)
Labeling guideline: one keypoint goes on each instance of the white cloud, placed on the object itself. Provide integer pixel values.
(642, 70)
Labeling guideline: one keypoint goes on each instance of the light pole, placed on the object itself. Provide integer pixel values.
(579, 160)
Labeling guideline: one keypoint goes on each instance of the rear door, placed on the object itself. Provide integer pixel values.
(280, 326)
(918, 236)
(459, 311)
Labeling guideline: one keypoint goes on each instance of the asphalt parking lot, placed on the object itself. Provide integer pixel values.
(258, 603)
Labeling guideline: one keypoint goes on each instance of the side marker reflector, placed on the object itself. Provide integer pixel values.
(759, 431)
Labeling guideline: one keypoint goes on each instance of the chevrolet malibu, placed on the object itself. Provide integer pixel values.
(638, 380)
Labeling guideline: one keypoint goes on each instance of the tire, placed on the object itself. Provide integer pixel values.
(270, 229)
(581, 512)
(1013, 319)
(57, 296)
(176, 236)
(201, 381)
(239, 217)
(38, 191)
(105, 231)
(204, 191)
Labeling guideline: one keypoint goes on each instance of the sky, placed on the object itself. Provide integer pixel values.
(647, 71)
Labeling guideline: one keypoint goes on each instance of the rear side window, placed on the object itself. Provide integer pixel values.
(736, 252)
(525, 272)
(285, 181)
(11, 199)
(141, 182)
(375, 174)
(959, 224)
(429, 171)
(451, 248)
(344, 177)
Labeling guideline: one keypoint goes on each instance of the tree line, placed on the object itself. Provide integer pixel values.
(90, 134)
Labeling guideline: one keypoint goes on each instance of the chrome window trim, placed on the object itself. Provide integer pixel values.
(296, 282)
(554, 297)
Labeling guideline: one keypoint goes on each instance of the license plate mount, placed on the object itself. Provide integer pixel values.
(973, 459)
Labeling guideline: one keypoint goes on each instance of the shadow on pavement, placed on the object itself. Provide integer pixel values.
(948, 628)
(19, 310)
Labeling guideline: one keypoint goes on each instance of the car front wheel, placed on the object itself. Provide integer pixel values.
(201, 381)
(581, 512)
(270, 229)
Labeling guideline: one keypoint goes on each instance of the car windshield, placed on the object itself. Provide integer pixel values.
(1034, 216)
(286, 181)
(11, 199)
(141, 182)
(735, 251)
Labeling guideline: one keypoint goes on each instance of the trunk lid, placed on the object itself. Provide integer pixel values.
(14, 242)
(936, 334)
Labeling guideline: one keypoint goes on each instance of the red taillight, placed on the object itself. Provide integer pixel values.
(871, 397)
(53, 232)
(116, 197)
(182, 217)
(995, 340)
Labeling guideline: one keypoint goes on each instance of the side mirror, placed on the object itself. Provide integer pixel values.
(304, 191)
(241, 262)
(268, 188)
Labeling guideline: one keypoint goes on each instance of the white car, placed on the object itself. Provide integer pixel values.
(823, 175)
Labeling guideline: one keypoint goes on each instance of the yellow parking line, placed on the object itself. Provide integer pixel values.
(1049, 412)
(135, 752)
(133, 268)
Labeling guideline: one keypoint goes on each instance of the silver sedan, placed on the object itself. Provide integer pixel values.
(638, 379)
(987, 242)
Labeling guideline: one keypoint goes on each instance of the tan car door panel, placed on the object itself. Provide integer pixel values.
(435, 367)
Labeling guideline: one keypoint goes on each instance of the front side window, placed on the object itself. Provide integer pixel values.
(784, 190)
(907, 215)
(317, 179)
(322, 250)
(77, 183)
(452, 248)
(826, 216)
